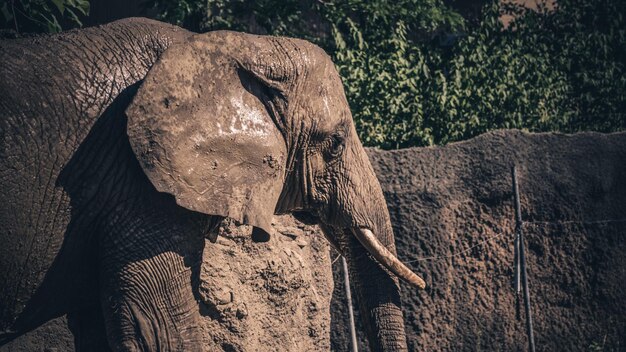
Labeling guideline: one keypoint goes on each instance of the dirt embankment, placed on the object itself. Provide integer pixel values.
(267, 296)
(446, 201)
(453, 203)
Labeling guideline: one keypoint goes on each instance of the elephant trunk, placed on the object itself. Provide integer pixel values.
(378, 295)
(367, 242)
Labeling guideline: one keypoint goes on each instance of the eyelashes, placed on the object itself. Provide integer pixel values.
(336, 145)
(330, 144)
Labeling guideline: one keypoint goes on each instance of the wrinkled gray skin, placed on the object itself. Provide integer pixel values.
(111, 182)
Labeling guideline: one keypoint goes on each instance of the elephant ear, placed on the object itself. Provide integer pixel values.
(203, 130)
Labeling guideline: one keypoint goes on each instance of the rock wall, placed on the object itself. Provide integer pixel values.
(452, 203)
(455, 203)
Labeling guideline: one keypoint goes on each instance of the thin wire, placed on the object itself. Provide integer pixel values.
(336, 259)
(536, 223)
(458, 253)
(594, 222)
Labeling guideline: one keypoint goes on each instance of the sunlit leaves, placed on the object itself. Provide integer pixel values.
(544, 73)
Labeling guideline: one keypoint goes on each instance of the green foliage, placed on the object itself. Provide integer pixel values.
(263, 16)
(42, 15)
(310, 19)
(549, 71)
(557, 70)
(380, 52)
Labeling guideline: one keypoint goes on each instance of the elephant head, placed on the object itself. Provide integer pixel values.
(246, 126)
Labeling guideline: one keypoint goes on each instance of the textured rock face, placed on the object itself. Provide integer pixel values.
(453, 203)
(446, 201)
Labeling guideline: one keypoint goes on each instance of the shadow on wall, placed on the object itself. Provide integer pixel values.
(446, 200)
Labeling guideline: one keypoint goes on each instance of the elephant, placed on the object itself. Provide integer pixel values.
(125, 145)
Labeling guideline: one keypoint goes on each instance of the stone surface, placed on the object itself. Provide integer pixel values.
(455, 203)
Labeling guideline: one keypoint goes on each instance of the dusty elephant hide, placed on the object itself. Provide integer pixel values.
(125, 144)
(261, 295)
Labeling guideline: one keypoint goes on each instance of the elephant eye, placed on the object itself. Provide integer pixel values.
(337, 144)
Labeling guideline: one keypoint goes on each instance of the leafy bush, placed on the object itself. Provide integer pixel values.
(549, 71)
(42, 15)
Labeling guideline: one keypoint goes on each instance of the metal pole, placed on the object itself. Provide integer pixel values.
(529, 317)
(522, 261)
(346, 282)
(518, 230)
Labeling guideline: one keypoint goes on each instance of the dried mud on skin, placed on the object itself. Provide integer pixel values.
(442, 200)
(259, 296)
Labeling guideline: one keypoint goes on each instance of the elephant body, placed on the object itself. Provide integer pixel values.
(123, 146)
(54, 91)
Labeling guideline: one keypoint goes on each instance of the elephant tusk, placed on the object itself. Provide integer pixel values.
(386, 258)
